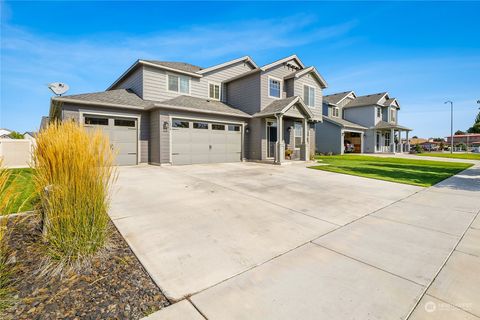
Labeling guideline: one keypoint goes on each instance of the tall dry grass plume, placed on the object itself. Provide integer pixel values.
(73, 176)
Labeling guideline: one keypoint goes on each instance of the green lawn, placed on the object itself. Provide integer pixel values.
(409, 171)
(26, 200)
(469, 156)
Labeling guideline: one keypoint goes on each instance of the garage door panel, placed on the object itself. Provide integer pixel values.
(191, 145)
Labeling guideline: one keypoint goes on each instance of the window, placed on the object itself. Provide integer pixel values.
(180, 124)
(214, 91)
(298, 134)
(218, 127)
(387, 139)
(335, 111)
(274, 88)
(200, 125)
(309, 96)
(379, 112)
(393, 115)
(178, 84)
(96, 121)
(124, 123)
(233, 128)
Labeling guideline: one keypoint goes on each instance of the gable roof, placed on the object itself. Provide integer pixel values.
(282, 105)
(284, 60)
(180, 66)
(299, 73)
(228, 63)
(122, 98)
(344, 123)
(189, 103)
(386, 125)
(368, 100)
(336, 98)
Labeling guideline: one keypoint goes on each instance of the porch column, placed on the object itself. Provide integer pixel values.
(304, 148)
(280, 146)
(408, 143)
(400, 140)
(392, 140)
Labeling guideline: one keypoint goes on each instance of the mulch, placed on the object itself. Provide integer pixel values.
(114, 286)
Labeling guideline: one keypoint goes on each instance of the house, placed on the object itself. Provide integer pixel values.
(467, 139)
(430, 145)
(360, 124)
(29, 135)
(177, 113)
(5, 133)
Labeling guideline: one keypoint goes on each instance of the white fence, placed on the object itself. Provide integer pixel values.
(16, 153)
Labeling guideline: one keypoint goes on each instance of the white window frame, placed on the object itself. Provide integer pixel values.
(281, 87)
(314, 94)
(337, 113)
(295, 136)
(179, 76)
(393, 115)
(219, 90)
(378, 110)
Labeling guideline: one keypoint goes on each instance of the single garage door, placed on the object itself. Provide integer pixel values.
(205, 142)
(122, 133)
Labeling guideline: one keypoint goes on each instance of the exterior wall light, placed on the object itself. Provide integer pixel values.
(166, 125)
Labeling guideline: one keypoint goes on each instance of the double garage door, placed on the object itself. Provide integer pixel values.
(205, 142)
(122, 133)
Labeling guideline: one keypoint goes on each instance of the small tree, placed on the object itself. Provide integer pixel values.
(16, 135)
(459, 132)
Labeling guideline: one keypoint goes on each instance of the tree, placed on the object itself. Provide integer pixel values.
(414, 137)
(476, 126)
(459, 132)
(16, 135)
(438, 139)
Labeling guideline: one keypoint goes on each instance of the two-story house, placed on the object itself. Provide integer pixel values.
(176, 113)
(360, 124)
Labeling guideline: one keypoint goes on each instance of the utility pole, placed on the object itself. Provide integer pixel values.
(451, 125)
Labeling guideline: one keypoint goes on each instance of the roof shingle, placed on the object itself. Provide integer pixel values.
(368, 100)
(182, 66)
(121, 97)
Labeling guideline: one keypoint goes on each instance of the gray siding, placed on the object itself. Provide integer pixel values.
(256, 139)
(308, 79)
(134, 82)
(155, 137)
(244, 93)
(72, 111)
(369, 141)
(155, 82)
(328, 138)
(364, 116)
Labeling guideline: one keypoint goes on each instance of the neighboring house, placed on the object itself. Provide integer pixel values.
(360, 124)
(467, 139)
(30, 135)
(430, 145)
(176, 113)
(5, 133)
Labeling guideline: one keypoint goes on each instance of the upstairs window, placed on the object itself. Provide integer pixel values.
(179, 84)
(393, 115)
(379, 112)
(335, 112)
(309, 95)
(214, 91)
(274, 87)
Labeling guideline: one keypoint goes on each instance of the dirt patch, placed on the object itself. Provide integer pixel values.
(115, 286)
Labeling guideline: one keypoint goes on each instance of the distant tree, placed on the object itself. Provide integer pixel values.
(16, 135)
(414, 137)
(459, 132)
(438, 139)
(476, 126)
(441, 146)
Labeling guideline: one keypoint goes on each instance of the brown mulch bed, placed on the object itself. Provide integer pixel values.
(115, 286)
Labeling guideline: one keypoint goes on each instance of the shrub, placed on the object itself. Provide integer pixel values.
(73, 176)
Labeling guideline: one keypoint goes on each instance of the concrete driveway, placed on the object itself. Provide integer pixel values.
(255, 241)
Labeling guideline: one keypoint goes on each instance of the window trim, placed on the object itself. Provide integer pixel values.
(268, 87)
(200, 122)
(379, 110)
(393, 115)
(95, 124)
(180, 120)
(295, 123)
(333, 112)
(218, 124)
(168, 74)
(219, 90)
(314, 94)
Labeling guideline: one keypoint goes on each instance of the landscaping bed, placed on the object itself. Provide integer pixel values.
(422, 173)
(113, 286)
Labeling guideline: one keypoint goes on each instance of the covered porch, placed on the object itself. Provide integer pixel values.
(389, 138)
(287, 124)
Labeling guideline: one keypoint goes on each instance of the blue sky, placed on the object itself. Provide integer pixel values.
(423, 53)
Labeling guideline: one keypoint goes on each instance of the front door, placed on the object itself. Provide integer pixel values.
(271, 138)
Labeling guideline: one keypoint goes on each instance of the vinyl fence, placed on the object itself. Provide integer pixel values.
(16, 153)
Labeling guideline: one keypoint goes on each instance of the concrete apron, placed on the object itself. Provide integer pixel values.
(379, 265)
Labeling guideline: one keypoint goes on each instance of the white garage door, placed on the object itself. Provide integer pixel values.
(205, 142)
(122, 133)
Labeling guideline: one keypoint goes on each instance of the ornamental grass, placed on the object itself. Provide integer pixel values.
(73, 176)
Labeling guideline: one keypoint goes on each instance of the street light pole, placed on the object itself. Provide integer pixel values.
(451, 125)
